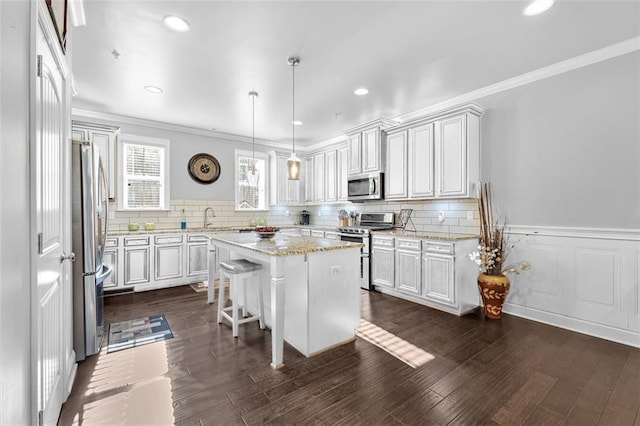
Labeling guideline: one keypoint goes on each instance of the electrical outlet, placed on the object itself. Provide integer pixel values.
(286, 213)
(470, 215)
(441, 216)
(335, 271)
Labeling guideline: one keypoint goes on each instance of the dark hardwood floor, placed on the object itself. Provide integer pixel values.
(506, 372)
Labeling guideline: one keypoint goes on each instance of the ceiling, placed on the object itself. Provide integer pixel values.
(410, 55)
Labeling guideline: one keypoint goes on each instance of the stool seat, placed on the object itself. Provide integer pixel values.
(239, 266)
(234, 270)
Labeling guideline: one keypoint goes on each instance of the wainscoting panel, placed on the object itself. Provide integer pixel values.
(585, 280)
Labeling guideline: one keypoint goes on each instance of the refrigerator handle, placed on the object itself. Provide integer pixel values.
(106, 207)
(105, 271)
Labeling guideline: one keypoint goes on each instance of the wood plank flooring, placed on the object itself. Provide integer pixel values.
(507, 372)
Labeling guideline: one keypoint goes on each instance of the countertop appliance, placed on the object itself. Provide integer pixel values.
(365, 187)
(304, 217)
(361, 233)
(89, 229)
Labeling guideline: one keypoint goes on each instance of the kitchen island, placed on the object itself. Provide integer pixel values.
(313, 284)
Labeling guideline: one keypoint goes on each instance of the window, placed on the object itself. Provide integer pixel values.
(251, 195)
(144, 171)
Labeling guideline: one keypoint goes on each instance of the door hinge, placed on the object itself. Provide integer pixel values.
(39, 66)
(40, 418)
(39, 242)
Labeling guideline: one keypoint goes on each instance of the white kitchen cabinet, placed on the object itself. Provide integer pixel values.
(420, 162)
(439, 278)
(366, 147)
(305, 232)
(110, 257)
(309, 193)
(342, 173)
(318, 178)
(168, 257)
(197, 252)
(283, 190)
(330, 176)
(396, 174)
(317, 233)
(408, 265)
(137, 260)
(457, 155)
(383, 261)
(105, 137)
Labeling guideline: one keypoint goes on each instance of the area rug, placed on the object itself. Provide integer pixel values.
(202, 286)
(138, 332)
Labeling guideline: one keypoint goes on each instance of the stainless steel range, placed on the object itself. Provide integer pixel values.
(361, 233)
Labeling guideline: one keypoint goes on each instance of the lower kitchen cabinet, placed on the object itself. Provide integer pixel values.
(430, 272)
(383, 262)
(153, 261)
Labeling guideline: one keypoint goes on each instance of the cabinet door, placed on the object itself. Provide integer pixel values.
(371, 151)
(408, 268)
(439, 278)
(382, 267)
(318, 178)
(342, 174)
(355, 154)
(110, 257)
(396, 175)
(293, 191)
(420, 162)
(451, 157)
(309, 180)
(168, 262)
(136, 265)
(105, 141)
(330, 176)
(197, 259)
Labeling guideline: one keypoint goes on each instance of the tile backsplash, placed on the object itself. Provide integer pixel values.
(424, 216)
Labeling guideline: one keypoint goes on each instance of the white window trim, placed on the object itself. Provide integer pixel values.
(144, 140)
(258, 156)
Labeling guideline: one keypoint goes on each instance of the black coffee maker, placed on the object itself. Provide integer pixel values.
(304, 217)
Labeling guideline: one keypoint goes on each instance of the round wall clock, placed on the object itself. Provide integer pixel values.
(204, 168)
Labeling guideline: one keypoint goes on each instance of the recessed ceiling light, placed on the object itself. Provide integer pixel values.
(537, 6)
(297, 123)
(176, 23)
(361, 91)
(153, 89)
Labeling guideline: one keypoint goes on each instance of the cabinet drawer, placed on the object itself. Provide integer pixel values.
(111, 242)
(305, 232)
(408, 244)
(438, 247)
(198, 238)
(332, 235)
(383, 241)
(168, 239)
(317, 234)
(136, 241)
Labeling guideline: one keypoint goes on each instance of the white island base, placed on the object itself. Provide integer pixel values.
(311, 296)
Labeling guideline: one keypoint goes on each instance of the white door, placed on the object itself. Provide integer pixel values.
(52, 320)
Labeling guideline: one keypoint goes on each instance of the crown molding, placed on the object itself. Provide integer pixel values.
(609, 52)
(228, 137)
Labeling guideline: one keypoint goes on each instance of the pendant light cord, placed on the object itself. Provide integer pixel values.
(293, 109)
(253, 132)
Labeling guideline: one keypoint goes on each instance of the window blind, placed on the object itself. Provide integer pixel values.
(143, 174)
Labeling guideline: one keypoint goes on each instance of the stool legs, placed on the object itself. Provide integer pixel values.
(221, 295)
(235, 307)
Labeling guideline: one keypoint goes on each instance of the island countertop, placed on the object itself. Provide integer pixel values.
(282, 245)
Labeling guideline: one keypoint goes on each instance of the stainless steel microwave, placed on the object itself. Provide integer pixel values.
(365, 187)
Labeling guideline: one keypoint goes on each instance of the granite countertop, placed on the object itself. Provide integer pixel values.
(422, 235)
(282, 245)
(209, 230)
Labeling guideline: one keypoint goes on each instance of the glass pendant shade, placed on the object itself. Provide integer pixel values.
(252, 176)
(293, 167)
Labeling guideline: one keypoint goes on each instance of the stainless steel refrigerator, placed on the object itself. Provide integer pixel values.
(89, 228)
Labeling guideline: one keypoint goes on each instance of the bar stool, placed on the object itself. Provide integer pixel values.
(234, 270)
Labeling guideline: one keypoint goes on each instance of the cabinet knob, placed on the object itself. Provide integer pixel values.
(71, 256)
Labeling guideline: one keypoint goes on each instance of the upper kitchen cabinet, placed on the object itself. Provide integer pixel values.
(105, 137)
(366, 147)
(435, 157)
(283, 190)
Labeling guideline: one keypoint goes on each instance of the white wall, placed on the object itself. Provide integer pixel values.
(15, 307)
(565, 151)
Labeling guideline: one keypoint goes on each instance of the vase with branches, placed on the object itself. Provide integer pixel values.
(492, 254)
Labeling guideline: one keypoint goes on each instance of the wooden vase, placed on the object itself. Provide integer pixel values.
(494, 290)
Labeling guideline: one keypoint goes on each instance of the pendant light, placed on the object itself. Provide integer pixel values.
(252, 173)
(293, 163)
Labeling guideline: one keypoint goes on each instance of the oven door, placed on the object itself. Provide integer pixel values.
(364, 257)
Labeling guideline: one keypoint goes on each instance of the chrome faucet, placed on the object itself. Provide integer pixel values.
(206, 222)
